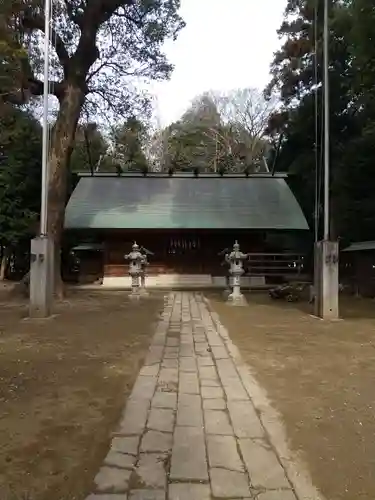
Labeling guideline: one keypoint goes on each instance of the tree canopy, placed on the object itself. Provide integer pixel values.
(98, 49)
(297, 77)
(218, 132)
(20, 177)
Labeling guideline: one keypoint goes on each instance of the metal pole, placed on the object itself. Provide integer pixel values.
(45, 140)
(326, 121)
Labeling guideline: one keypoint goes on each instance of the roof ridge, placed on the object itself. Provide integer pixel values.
(184, 175)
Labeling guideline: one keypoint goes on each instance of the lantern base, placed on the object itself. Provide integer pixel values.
(236, 299)
(134, 297)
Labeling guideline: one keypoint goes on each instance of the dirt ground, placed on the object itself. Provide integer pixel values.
(63, 384)
(320, 376)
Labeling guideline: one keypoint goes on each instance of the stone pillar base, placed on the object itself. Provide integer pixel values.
(326, 280)
(236, 300)
(134, 296)
(41, 277)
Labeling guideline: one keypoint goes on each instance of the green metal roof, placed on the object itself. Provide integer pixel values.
(82, 247)
(360, 246)
(183, 203)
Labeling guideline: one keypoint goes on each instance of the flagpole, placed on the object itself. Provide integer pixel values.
(327, 252)
(45, 139)
(41, 249)
(326, 123)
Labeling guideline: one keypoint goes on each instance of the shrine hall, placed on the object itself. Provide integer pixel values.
(186, 222)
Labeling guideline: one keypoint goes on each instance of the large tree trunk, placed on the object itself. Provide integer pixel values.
(4, 263)
(62, 145)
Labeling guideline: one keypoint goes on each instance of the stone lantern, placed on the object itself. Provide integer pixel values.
(136, 262)
(235, 260)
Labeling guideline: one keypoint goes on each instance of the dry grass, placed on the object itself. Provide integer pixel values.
(321, 378)
(63, 384)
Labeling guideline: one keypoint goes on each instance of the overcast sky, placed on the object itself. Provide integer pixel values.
(226, 44)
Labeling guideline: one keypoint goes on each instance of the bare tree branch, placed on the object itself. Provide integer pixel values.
(33, 21)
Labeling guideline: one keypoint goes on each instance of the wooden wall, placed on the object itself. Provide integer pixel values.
(183, 252)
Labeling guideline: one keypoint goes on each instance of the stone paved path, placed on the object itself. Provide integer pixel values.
(189, 430)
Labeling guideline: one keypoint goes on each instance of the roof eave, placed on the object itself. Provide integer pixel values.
(277, 175)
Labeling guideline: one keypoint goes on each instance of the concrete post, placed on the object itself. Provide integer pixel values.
(326, 281)
(41, 277)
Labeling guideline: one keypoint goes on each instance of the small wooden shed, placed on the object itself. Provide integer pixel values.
(358, 267)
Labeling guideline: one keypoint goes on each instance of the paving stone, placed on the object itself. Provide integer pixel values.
(156, 350)
(164, 400)
(154, 441)
(151, 470)
(207, 372)
(135, 416)
(209, 382)
(144, 388)
(155, 355)
(117, 459)
(226, 369)
(234, 389)
(162, 326)
(172, 341)
(101, 496)
(262, 464)
(161, 419)
(169, 363)
(212, 392)
(245, 421)
(111, 479)
(214, 404)
(199, 337)
(228, 483)
(188, 455)
(186, 340)
(217, 422)
(214, 340)
(188, 365)
(222, 452)
(277, 495)
(159, 340)
(186, 350)
(188, 383)
(150, 371)
(205, 361)
(201, 348)
(186, 491)
(125, 445)
(168, 375)
(219, 352)
(147, 495)
(189, 400)
(190, 414)
(171, 355)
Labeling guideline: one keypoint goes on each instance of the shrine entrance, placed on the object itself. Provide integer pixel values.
(184, 254)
